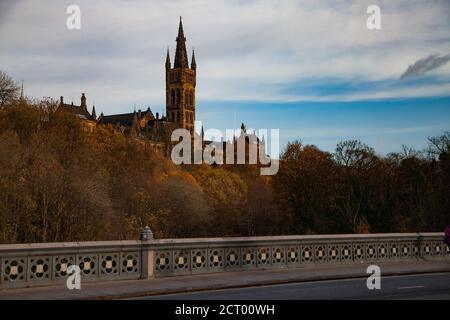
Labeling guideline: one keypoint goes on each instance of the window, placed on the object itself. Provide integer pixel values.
(178, 96)
(173, 96)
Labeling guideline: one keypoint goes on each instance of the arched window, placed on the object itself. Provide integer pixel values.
(178, 96)
(178, 116)
(172, 93)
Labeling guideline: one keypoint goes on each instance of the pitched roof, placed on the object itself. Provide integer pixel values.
(77, 111)
(124, 119)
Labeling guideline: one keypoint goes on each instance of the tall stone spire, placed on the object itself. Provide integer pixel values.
(168, 65)
(193, 63)
(181, 60)
(180, 86)
(93, 113)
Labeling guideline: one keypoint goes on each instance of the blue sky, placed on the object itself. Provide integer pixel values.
(384, 125)
(309, 68)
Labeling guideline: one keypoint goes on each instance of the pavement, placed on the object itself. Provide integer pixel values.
(218, 281)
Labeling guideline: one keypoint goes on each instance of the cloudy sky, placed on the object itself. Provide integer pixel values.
(310, 68)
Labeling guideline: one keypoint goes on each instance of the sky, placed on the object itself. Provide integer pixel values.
(311, 69)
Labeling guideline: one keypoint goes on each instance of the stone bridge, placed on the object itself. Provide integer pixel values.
(42, 264)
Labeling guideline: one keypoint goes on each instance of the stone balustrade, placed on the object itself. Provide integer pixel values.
(32, 264)
(24, 265)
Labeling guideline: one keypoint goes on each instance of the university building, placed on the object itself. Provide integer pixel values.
(152, 129)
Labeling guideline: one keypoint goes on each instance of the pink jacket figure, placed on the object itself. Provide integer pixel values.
(447, 235)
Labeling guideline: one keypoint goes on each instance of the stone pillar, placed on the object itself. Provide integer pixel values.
(147, 254)
(146, 234)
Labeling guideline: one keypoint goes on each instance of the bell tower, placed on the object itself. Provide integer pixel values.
(180, 85)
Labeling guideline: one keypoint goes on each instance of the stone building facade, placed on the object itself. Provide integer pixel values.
(151, 129)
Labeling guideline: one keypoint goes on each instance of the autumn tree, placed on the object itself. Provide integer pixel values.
(60, 182)
(9, 90)
(355, 160)
(304, 189)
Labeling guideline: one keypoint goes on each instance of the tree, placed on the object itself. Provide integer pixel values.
(9, 90)
(304, 189)
(356, 160)
(439, 147)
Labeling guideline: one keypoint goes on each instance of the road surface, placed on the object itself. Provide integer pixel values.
(423, 286)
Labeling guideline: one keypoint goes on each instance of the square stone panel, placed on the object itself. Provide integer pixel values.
(61, 265)
(426, 249)
(416, 249)
(383, 251)
(293, 254)
(371, 251)
(130, 262)
(39, 269)
(320, 253)
(394, 250)
(88, 264)
(199, 259)
(346, 252)
(248, 257)
(216, 258)
(438, 248)
(264, 256)
(359, 252)
(232, 258)
(109, 264)
(307, 253)
(181, 261)
(334, 252)
(14, 269)
(279, 256)
(163, 262)
(406, 250)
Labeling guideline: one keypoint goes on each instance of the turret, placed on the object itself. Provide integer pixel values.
(83, 101)
(93, 114)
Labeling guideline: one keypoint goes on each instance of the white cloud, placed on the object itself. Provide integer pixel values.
(244, 49)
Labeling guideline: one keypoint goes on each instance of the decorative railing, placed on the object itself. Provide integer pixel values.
(192, 256)
(47, 263)
(24, 265)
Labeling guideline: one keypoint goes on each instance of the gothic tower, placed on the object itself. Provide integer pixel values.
(180, 85)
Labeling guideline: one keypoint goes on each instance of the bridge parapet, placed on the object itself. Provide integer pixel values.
(192, 256)
(24, 265)
(33, 264)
